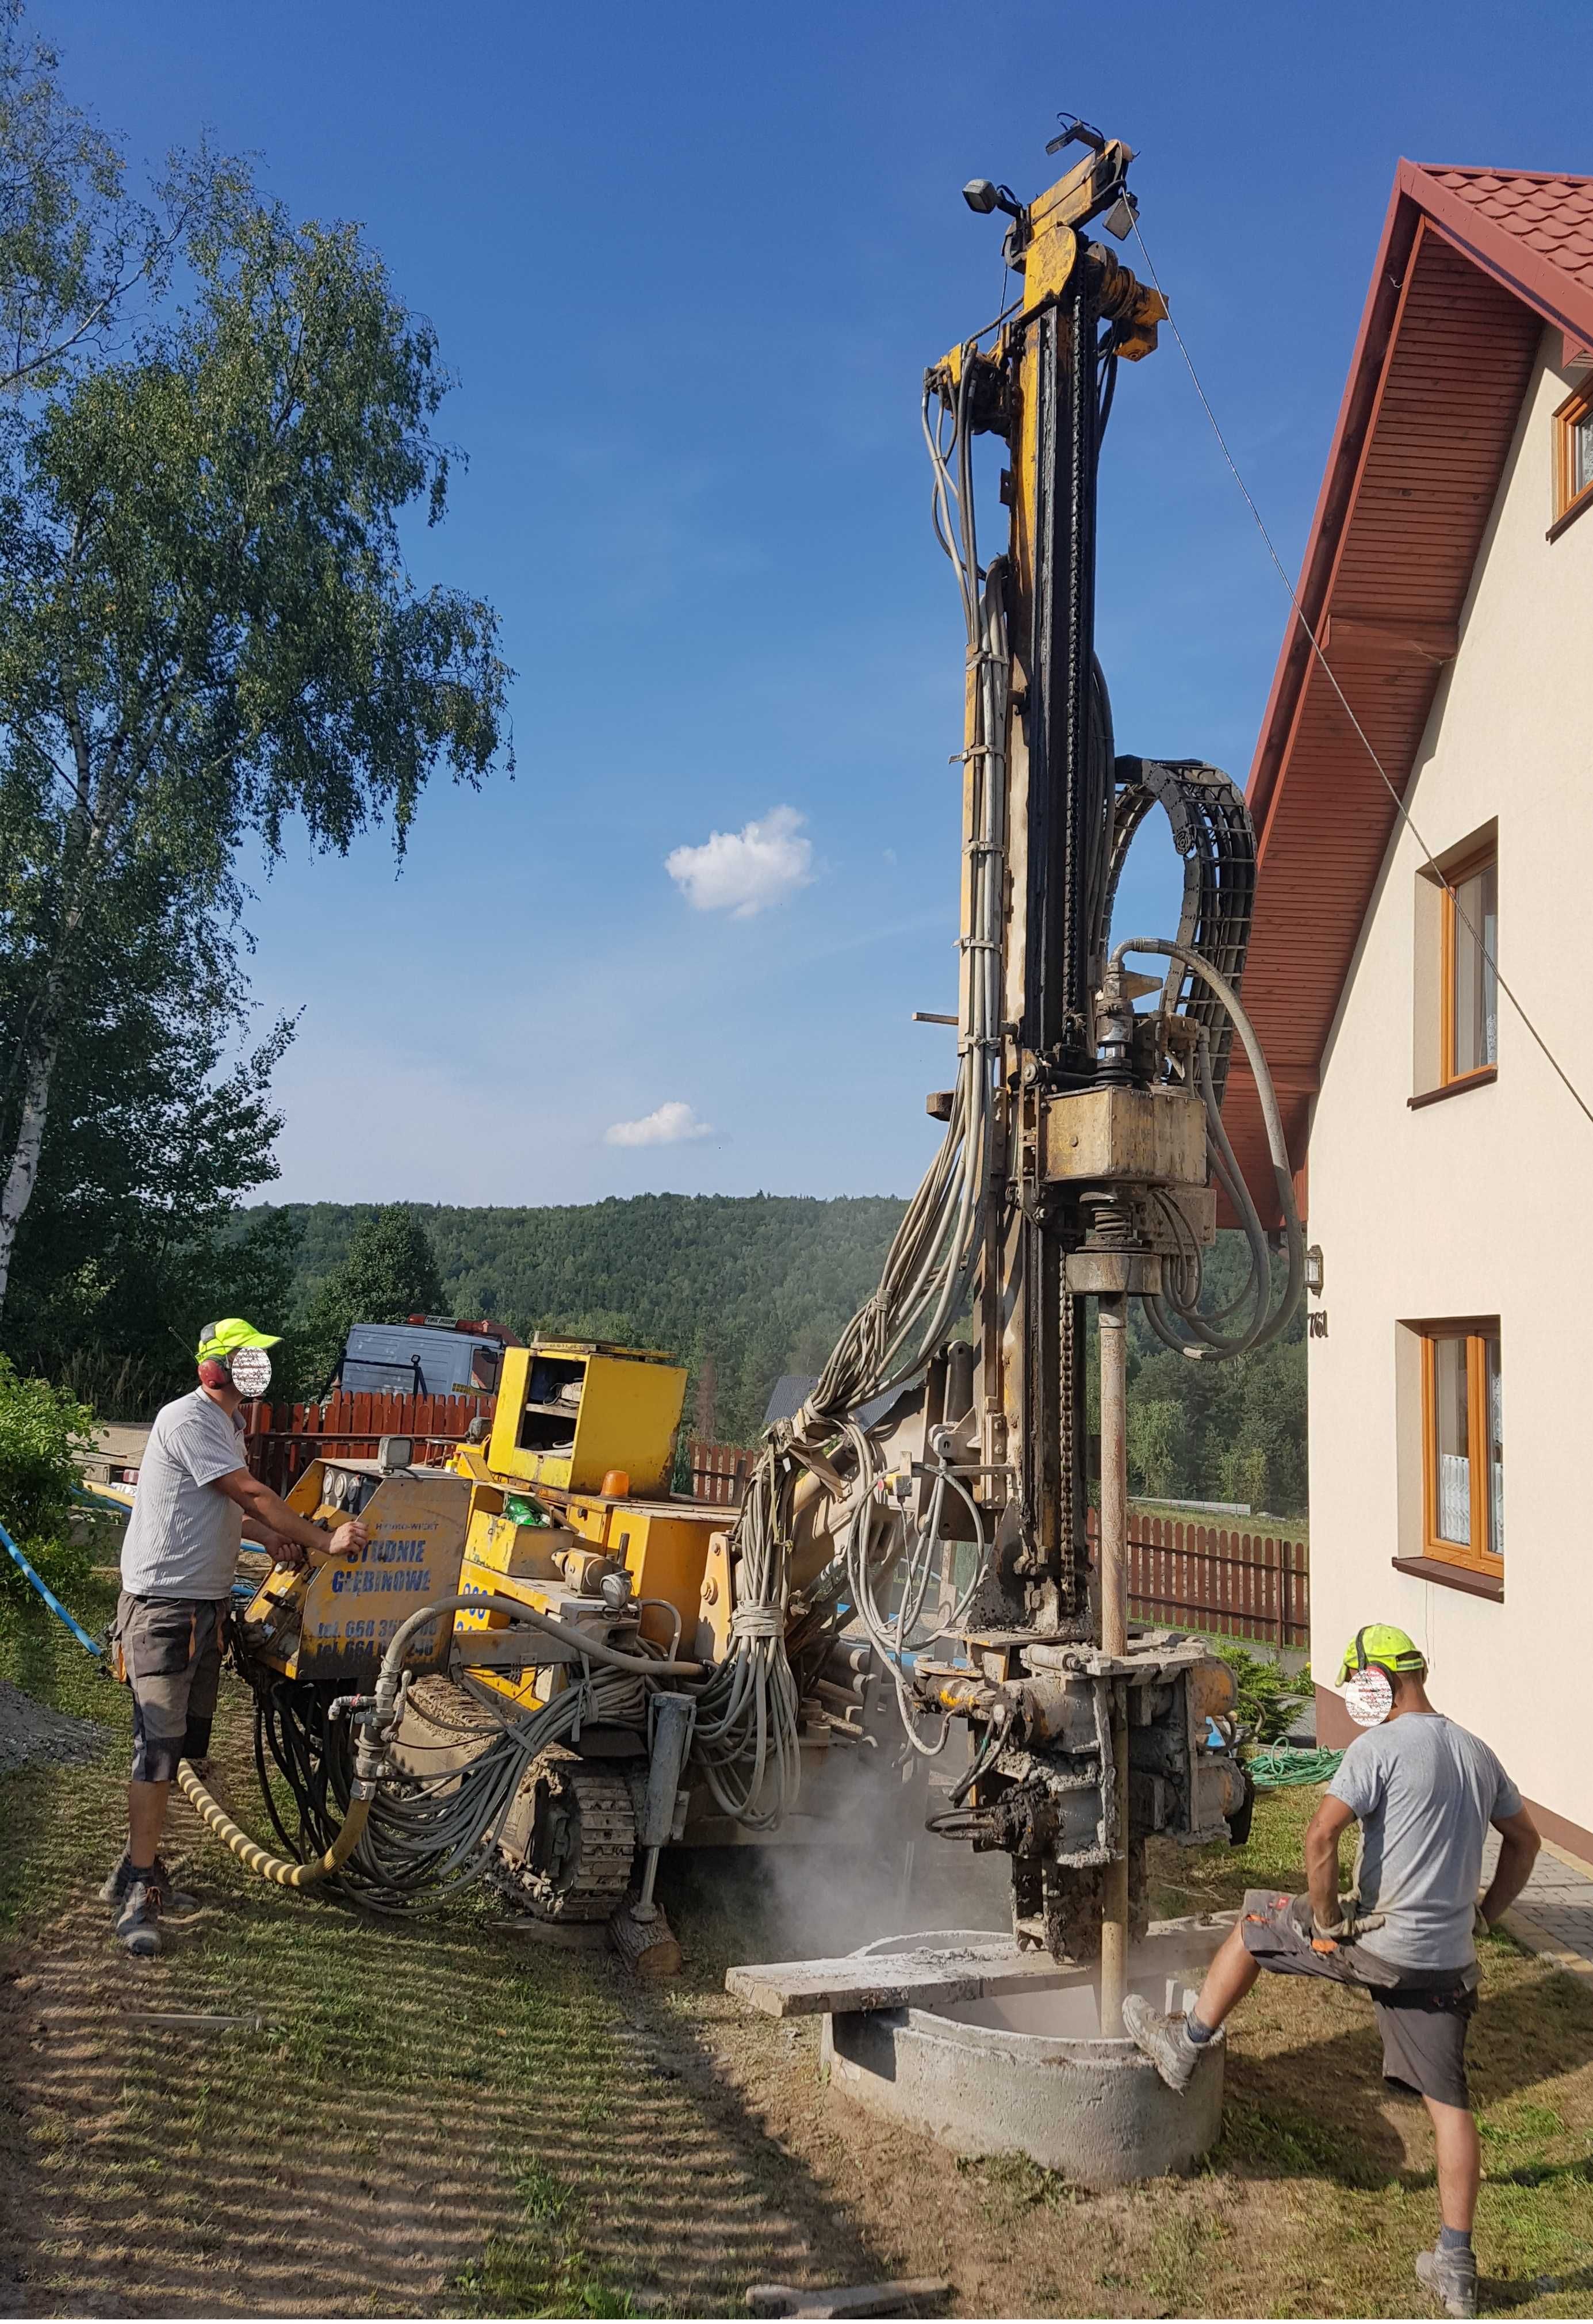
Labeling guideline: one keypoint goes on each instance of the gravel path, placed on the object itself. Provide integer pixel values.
(32, 1735)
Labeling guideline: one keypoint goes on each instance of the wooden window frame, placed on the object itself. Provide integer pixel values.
(1473, 1556)
(1568, 503)
(1453, 876)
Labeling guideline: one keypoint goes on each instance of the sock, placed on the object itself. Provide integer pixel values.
(1454, 2240)
(1198, 2033)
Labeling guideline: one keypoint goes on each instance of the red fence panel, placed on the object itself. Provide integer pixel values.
(283, 1439)
(719, 1472)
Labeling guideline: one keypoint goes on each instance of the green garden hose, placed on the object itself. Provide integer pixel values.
(1284, 1763)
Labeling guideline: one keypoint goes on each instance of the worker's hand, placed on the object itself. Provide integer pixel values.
(1327, 1936)
(290, 1554)
(1481, 1926)
(348, 1540)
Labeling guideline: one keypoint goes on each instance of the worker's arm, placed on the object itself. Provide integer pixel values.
(1322, 1860)
(263, 1537)
(264, 1510)
(1518, 1851)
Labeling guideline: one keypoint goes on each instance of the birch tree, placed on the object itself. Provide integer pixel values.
(208, 631)
(75, 246)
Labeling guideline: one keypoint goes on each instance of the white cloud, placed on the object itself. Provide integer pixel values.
(666, 1125)
(741, 872)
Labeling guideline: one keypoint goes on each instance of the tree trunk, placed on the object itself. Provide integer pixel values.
(24, 1173)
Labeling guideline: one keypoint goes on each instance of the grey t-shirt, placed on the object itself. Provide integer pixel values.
(1426, 1793)
(183, 1536)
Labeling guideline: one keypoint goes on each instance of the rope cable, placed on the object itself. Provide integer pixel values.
(1404, 812)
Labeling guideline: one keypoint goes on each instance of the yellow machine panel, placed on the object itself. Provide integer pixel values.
(665, 1548)
(335, 1622)
(571, 1411)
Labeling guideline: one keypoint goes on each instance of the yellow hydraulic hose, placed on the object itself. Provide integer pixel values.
(258, 1859)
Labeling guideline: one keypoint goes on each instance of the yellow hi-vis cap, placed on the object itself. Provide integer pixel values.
(1380, 1642)
(233, 1332)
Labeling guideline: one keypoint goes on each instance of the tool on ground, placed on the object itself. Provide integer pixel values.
(912, 1560)
(846, 2300)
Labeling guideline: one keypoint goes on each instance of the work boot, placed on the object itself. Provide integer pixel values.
(1164, 2041)
(1450, 2277)
(114, 1886)
(138, 1925)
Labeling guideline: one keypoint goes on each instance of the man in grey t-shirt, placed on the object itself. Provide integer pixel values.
(1424, 1792)
(196, 1502)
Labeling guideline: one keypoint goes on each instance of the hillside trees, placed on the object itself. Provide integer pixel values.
(391, 1273)
(743, 1288)
(207, 632)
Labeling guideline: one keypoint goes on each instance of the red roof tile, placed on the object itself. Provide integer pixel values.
(1472, 264)
(1551, 214)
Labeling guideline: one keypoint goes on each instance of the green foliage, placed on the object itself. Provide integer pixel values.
(1158, 1445)
(1239, 1430)
(42, 1431)
(72, 243)
(207, 631)
(132, 1242)
(390, 1272)
(1269, 1696)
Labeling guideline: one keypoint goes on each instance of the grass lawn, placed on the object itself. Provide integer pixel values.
(442, 2117)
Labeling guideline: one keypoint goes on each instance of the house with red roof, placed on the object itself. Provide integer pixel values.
(1422, 795)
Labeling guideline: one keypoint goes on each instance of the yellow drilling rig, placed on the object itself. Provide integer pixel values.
(547, 1666)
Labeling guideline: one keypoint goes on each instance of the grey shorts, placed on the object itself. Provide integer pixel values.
(168, 1652)
(1423, 2015)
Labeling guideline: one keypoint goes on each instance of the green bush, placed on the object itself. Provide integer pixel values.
(1268, 1695)
(42, 1430)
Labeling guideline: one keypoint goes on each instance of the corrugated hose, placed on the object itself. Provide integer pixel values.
(280, 1868)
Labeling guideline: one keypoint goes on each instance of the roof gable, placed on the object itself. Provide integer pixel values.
(1471, 265)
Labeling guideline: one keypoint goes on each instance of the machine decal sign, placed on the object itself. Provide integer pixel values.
(1368, 1696)
(416, 1527)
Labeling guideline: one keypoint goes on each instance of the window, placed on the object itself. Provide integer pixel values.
(1463, 1446)
(1470, 924)
(1573, 453)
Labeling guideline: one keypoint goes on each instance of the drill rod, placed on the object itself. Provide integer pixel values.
(1113, 1327)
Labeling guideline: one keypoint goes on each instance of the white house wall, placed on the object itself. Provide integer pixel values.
(1477, 1204)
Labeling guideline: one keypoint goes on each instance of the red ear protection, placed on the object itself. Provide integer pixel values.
(214, 1373)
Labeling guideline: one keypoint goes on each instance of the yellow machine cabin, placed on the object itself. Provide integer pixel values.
(590, 1427)
(572, 1412)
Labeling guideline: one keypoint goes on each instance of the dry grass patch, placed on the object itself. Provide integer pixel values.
(442, 2118)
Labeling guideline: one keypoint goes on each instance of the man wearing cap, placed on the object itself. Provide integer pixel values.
(196, 1502)
(1425, 1792)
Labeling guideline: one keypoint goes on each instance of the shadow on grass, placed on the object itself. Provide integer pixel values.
(1538, 2028)
(438, 2118)
(1503, 2292)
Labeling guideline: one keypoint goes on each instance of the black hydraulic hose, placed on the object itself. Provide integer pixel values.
(1277, 1144)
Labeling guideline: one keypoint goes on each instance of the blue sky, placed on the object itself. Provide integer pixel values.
(688, 265)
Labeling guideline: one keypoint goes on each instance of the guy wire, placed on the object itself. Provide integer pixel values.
(1404, 812)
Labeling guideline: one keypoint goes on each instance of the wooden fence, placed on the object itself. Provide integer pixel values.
(719, 1472)
(1202, 1577)
(281, 1440)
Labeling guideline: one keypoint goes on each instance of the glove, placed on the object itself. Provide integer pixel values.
(1327, 1936)
(1481, 1926)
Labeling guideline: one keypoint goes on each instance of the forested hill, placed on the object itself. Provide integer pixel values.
(752, 1285)
(745, 1287)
